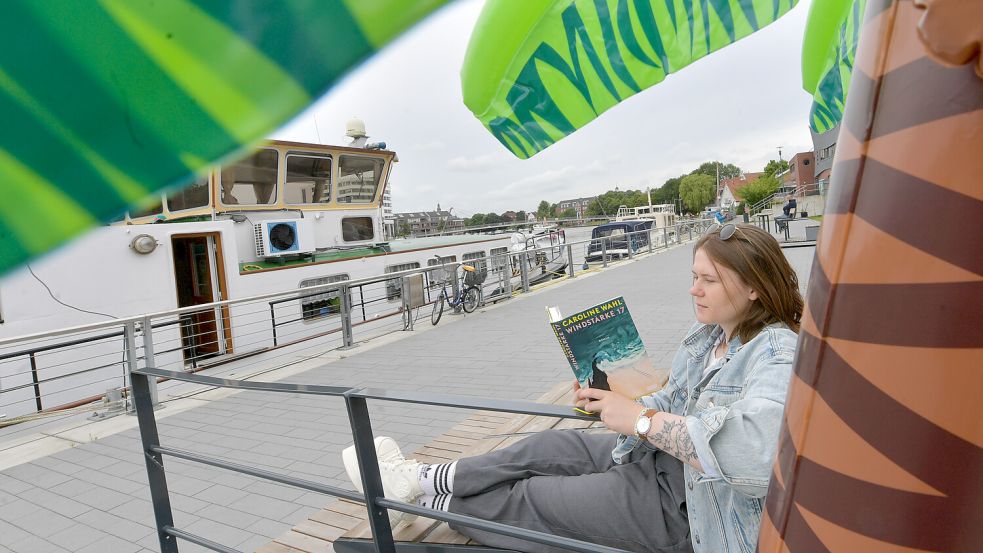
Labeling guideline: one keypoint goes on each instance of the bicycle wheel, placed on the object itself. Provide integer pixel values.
(438, 309)
(470, 301)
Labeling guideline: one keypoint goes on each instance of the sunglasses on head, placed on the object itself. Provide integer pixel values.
(726, 231)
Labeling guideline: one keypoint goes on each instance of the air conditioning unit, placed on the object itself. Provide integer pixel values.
(285, 237)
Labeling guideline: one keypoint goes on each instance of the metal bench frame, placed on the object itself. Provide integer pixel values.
(376, 503)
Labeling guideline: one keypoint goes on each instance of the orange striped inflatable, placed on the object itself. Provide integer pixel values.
(881, 446)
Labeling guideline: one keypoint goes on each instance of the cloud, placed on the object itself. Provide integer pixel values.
(478, 163)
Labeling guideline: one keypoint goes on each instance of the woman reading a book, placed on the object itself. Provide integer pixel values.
(690, 468)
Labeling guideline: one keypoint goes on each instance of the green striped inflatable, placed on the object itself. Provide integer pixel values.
(827, 58)
(534, 75)
(105, 101)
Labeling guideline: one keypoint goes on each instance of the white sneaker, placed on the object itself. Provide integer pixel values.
(401, 481)
(388, 453)
(386, 449)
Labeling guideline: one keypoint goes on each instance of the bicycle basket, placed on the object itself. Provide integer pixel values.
(475, 277)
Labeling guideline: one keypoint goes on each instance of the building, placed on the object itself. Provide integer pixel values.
(422, 223)
(579, 205)
(800, 174)
(728, 188)
(388, 220)
(825, 147)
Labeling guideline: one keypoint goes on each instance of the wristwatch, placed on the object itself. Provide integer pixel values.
(644, 423)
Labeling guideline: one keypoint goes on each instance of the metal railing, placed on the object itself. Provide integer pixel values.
(73, 367)
(373, 497)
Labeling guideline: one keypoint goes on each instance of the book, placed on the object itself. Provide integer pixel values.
(604, 349)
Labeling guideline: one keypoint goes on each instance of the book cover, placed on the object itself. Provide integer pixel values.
(604, 349)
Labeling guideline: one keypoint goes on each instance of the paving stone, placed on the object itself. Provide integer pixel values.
(35, 544)
(43, 522)
(117, 526)
(76, 537)
(112, 544)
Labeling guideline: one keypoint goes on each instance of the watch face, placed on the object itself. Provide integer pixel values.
(643, 425)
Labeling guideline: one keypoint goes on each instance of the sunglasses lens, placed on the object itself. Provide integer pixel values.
(727, 231)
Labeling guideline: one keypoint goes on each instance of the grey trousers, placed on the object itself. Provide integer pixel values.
(564, 482)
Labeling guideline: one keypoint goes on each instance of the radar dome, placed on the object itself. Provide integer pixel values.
(355, 128)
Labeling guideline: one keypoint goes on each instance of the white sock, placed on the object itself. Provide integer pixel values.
(437, 479)
(435, 502)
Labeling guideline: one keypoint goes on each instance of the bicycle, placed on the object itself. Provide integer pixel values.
(468, 295)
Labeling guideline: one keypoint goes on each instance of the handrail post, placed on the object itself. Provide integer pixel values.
(154, 461)
(604, 252)
(149, 360)
(570, 266)
(648, 233)
(346, 318)
(358, 415)
(130, 348)
(405, 298)
(631, 244)
(273, 323)
(524, 271)
(37, 382)
(665, 237)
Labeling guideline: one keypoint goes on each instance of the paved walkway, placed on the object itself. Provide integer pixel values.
(94, 497)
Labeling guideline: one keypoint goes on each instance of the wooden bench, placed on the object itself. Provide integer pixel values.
(481, 432)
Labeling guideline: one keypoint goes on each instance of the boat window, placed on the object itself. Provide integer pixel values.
(478, 262)
(357, 228)
(438, 275)
(155, 208)
(250, 181)
(358, 179)
(393, 287)
(316, 306)
(191, 196)
(499, 259)
(602, 232)
(308, 179)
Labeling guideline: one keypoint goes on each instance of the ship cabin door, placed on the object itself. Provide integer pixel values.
(200, 277)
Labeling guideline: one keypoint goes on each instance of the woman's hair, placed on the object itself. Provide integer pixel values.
(758, 260)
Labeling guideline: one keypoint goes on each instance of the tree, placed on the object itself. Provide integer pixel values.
(493, 218)
(757, 190)
(404, 229)
(727, 170)
(569, 213)
(520, 216)
(775, 167)
(668, 192)
(697, 191)
(543, 211)
(607, 204)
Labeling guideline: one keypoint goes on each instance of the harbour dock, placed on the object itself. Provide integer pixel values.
(90, 493)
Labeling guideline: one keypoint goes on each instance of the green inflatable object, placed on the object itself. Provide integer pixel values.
(833, 82)
(122, 98)
(538, 70)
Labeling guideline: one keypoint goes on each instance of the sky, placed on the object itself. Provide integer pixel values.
(737, 106)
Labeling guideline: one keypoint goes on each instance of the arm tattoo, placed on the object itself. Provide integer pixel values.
(673, 438)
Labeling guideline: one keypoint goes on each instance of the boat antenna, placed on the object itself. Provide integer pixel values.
(316, 130)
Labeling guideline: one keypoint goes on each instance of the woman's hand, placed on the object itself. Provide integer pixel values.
(617, 412)
(578, 403)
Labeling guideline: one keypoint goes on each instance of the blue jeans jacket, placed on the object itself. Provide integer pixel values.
(734, 415)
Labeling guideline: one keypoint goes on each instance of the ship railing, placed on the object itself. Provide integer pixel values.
(75, 367)
(356, 404)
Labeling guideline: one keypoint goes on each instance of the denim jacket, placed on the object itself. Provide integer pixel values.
(734, 415)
